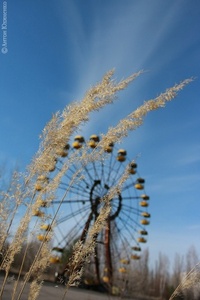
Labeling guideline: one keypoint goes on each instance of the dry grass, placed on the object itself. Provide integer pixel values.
(190, 283)
(23, 192)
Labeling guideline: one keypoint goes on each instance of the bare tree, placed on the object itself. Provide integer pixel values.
(178, 268)
(191, 260)
(161, 275)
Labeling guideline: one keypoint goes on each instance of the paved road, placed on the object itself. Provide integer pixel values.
(51, 291)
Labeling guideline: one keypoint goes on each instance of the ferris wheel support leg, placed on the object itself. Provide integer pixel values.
(85, 230)
(108, 253)
(83, 238)
(97, 271)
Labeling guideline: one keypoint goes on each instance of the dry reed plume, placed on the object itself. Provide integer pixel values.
(190, 281)
(27, 194)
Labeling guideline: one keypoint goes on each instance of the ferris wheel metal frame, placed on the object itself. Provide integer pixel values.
(125, 227)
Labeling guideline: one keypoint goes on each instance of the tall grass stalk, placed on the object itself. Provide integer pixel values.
(55, 136)
(39, 266)
(10, 201)
(189, 281)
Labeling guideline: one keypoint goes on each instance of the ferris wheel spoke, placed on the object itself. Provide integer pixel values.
(75, 213)
(107, 176)
(70, 238)
(130, 232)
(115, 249)
(90, 177)
(130, 209)
(71, 171)
(77, 192)
(82, 201)
(123, 242)
(95, 170)
(59, 240)
(116, 176)
(76, 187)
(102, 172)
(129, 185)
(127, 213)
(126, 223)
(80, 181)
(138, 210)
(132, 220)
(131, 197)
(81, 187)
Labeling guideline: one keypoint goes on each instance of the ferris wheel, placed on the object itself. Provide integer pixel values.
(125, 231)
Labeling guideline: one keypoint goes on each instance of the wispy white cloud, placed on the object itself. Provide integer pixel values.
(120, 36)
(126, 38)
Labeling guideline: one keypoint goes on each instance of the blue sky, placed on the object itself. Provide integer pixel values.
(58, 49)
